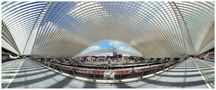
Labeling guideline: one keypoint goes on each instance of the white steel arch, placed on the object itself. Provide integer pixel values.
(63, 29)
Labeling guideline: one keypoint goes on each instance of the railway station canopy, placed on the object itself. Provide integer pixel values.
(108, 44)
(64, 29)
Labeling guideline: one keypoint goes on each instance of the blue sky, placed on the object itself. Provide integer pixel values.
(109, 44)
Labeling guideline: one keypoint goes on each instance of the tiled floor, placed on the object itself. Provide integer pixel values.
(32, 75)
(9, 71)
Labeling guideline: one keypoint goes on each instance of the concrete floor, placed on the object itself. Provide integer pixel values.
(32, 75)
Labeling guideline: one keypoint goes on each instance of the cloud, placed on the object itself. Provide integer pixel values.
(121, 46)
(126, 48)
(114, 43)
(95, 47)
(92, 48)
(130, 49)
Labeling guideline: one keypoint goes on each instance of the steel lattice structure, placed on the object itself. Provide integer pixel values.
(63, 29)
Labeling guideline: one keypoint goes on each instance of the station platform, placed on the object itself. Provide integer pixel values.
(25, 73)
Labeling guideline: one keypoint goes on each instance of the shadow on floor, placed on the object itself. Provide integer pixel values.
(123, 85)
(175, 84)
(31, 74)
(180, 76)
(31, 70)
(32, 81)
(62, 83)
(90, 85)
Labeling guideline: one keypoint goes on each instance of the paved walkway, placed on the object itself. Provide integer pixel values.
(32, 75)
(206, 69)
(9, 71)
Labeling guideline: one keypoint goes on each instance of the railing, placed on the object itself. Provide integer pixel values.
(100, 74)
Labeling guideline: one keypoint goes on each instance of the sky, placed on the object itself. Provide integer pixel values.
(109, 44)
